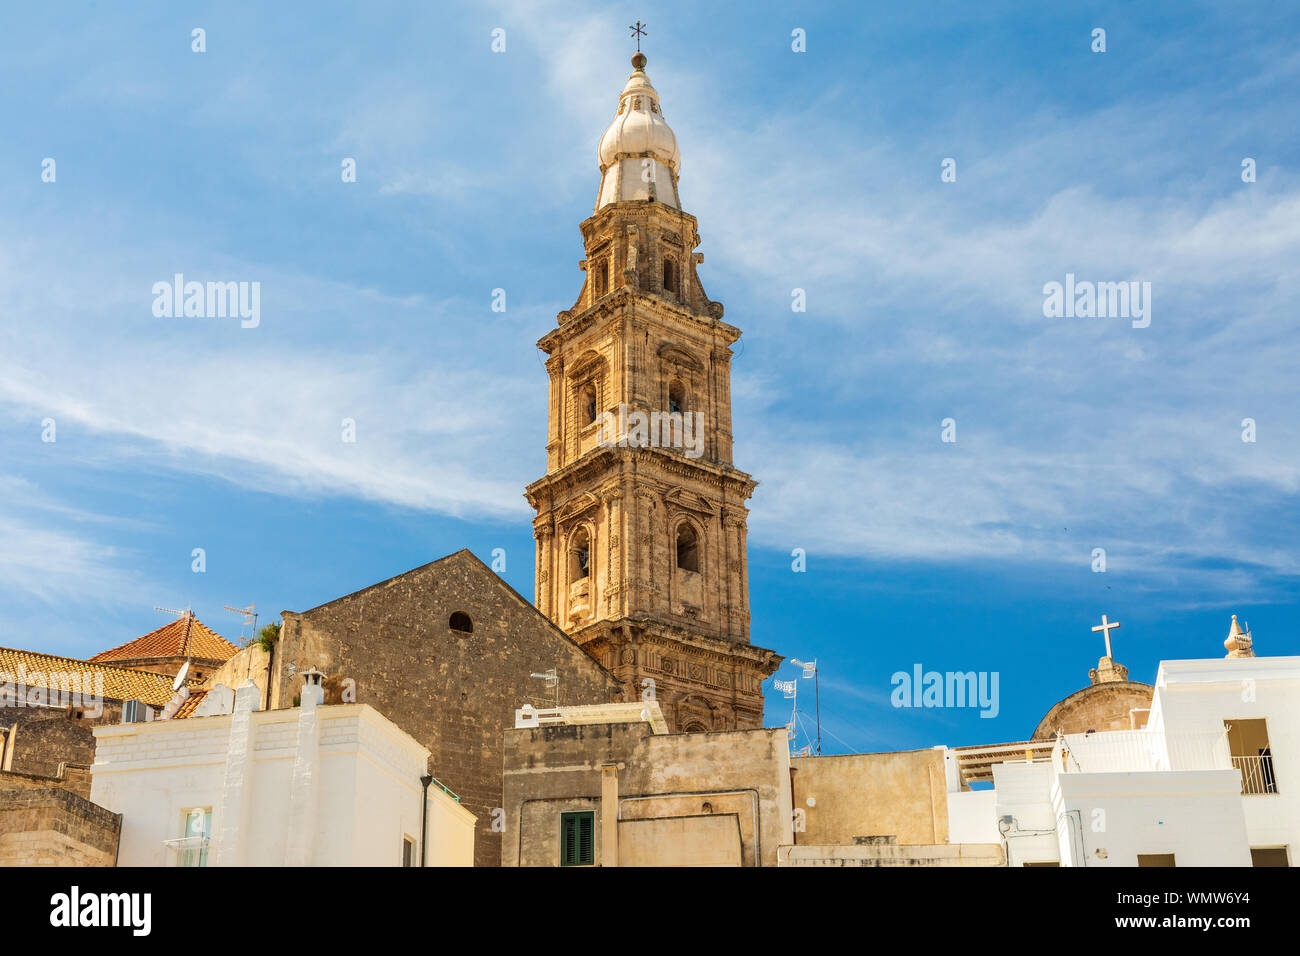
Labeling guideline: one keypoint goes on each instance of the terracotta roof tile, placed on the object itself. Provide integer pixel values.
(186, 636)
(191, 704)
(115, 683)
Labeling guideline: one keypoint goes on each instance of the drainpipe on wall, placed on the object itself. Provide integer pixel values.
(270, 671)
(424, 817)
(794, 833)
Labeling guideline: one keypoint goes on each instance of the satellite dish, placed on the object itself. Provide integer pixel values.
(180, 676)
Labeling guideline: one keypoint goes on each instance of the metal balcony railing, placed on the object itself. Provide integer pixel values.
(1256, 774)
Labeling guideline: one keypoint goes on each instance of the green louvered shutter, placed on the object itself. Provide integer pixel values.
(577, 847)
(586, 849)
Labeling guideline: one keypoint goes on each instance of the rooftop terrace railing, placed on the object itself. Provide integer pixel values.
(1120, 751)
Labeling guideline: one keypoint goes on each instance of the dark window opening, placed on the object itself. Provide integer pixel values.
(602, 278)
(1268, 856)
(408, 852)
(587, 404)
(577, 839)
(670, 275)
(688, 548)
(460, 622)
(581, 552)
(676, 398)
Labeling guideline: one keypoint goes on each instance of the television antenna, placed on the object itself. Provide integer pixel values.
(188, 615)
(810, 670)
(552, 679)
(249, 614)
(791, 690)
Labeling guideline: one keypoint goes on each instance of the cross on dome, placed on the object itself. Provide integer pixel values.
(1106, 626)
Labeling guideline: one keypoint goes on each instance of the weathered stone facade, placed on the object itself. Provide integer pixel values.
(73, 779)
(657, 799)
(39, 740)
(1099, 707)
(55, 827)
(641, 538)
(454, 691)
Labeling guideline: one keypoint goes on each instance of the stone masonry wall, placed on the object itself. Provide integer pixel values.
(55, 828)
(455, 693)
(47, 737)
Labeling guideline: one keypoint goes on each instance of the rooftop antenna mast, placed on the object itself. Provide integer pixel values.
(791, 690)
(552, 679)
(810, 670)
(249, 614)
(188, 614)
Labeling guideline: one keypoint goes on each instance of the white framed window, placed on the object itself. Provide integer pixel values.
(196, 833)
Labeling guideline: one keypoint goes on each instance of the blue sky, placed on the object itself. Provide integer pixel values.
(817, 170)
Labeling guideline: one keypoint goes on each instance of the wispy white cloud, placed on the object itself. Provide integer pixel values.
(924, 302)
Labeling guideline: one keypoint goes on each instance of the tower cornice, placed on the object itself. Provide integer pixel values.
(623, 302)
(600, 463)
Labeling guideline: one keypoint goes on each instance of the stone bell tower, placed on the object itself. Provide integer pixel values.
(641, 517)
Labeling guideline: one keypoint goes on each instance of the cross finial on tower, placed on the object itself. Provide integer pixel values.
(638, 58)
(1106, 626)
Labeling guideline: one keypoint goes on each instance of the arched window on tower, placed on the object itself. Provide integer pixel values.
(676, 398)
(587, 403)
(688, 548)
(602, 278)
(670, 275)
(580, 556)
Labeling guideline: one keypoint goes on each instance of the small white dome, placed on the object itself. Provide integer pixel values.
(639, 128)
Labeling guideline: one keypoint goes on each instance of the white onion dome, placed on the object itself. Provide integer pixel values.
(638, 132)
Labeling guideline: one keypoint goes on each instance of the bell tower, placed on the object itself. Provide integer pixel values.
(641, 518)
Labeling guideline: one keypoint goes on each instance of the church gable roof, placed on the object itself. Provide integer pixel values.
(465, 561)
(186, 636)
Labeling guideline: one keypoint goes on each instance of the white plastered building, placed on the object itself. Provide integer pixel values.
(315, 785)
(1212, 779)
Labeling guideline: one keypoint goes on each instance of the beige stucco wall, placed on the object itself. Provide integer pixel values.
(708, 840)
(900, 794)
